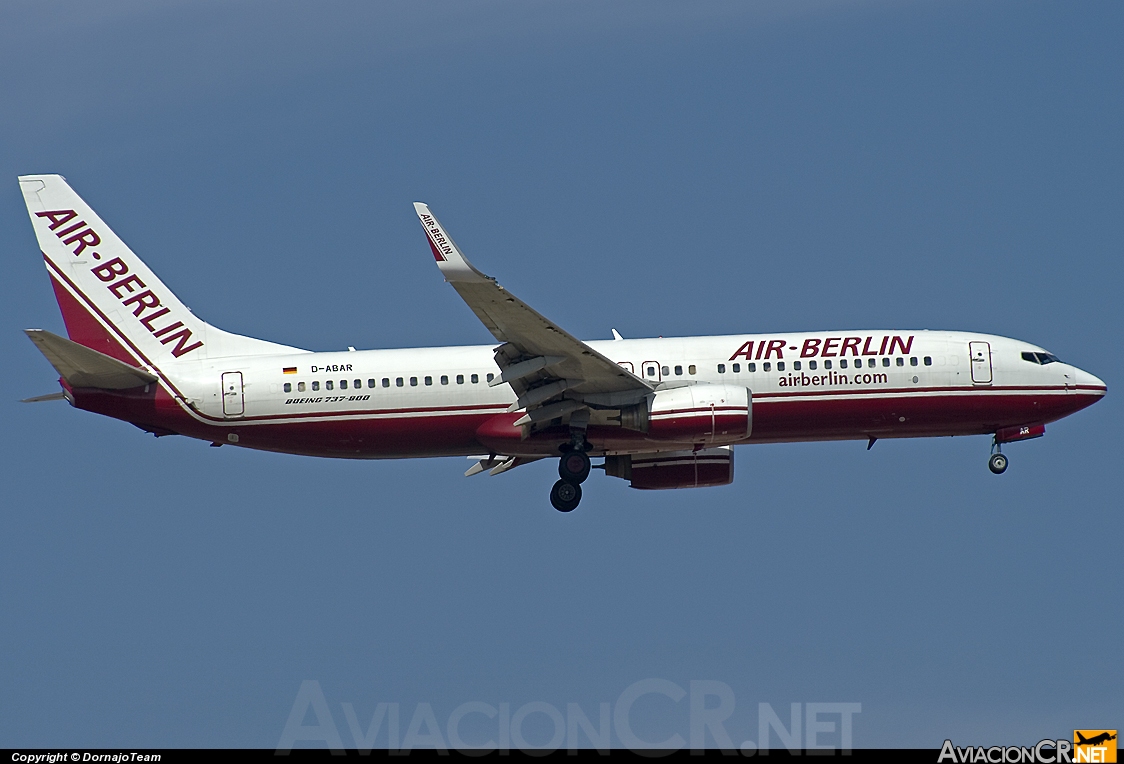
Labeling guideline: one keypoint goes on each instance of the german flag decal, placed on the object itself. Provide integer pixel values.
(290, 370)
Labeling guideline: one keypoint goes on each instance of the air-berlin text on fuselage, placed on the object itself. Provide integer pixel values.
(825, 347)
(436, 238)
(125, 285)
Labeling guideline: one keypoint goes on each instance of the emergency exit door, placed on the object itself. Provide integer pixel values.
(981, 362)
(233, 400)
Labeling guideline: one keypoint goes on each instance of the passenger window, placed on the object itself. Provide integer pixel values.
(475, 378)
(812, 365)
(343, 384)
(885, 361)
(300, 387)
(429, 380)
(651, 371)
(843, 363)
(370, 383)
(826, 364)
(870, 362)
(666, 371)
(766, 366)
(444, 379)
(398, 381)
(928, 360)
(738, 368)
(901, 362)
(795, 365)
(490, 377)
(413, 381)
(328, 385)
(288, 387)
(691, 369)
(315, 385)
(386, 381)
(678, 370)
(721, 368)
(780, 365)
(749, 367)
(460, 379)
(913, 361)
(358, 384)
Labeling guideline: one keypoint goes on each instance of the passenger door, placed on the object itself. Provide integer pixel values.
(233, 399)
(981, 362)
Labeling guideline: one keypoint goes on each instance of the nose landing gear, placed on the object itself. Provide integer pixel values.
(997, 463)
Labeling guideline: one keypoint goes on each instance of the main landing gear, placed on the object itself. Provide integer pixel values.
(573, 469)
(565, 496)
(997, 463)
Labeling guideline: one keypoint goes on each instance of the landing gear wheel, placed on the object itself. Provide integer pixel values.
(565, 496)
(573, 467)
(997, 464)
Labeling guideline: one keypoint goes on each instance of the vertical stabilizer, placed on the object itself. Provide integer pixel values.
(110, 300)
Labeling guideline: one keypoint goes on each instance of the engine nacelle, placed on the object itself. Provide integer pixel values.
(710, 414)
(674, 469)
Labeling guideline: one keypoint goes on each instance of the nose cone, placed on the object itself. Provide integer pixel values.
(1087, 384)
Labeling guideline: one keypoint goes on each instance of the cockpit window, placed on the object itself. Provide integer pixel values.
(1041, 358)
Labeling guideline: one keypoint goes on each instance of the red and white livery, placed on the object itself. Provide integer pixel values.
(663, 413)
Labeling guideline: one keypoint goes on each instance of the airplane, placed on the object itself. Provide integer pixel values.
(1104, 737)
(662, 413)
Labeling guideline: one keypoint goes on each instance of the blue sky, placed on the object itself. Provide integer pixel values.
(660, 168)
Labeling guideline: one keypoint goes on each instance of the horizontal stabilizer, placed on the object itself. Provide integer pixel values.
(48, 397)
(81, 366)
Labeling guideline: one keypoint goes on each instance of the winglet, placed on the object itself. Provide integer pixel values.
(452, 262)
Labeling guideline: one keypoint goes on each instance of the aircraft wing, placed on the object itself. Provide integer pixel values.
(540, 360)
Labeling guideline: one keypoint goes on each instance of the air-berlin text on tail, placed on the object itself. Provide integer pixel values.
(437, 241)
(825, 347)
(123, 284)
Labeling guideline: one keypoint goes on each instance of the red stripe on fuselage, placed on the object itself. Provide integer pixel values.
(453, 431)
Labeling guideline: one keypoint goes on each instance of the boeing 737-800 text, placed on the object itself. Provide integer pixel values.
(663, 413)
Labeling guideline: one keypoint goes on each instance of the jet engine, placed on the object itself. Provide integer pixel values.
(700, 414)
(674, 469)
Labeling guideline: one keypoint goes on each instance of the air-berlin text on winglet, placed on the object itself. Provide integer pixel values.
(83, 236)
(436, 238)
(829, 347)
